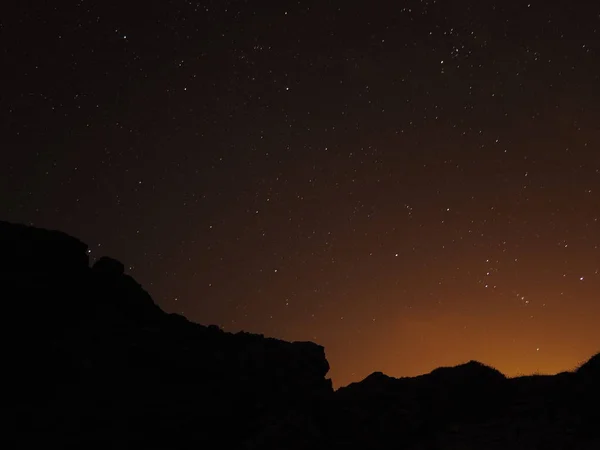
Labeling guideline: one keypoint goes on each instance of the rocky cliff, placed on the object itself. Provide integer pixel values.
(90, 359)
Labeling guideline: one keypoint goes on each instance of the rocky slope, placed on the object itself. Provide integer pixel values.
(90, 361)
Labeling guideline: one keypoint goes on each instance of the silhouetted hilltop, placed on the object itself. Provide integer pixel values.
(89, 360)
(472, 406)
(102, 363)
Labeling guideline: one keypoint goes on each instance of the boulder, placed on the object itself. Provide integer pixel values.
(109, 266)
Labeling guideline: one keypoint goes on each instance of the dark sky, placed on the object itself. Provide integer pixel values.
(410, 184)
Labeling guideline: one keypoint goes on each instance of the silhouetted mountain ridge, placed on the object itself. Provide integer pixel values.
(91, 361)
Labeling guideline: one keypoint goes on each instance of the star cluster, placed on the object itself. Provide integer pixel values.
(408, 185)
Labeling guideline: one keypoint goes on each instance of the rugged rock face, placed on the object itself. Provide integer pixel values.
(89, 360)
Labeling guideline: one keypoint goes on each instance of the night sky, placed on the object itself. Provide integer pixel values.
(410, 184)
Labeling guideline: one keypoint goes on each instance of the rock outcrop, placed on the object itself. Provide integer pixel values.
(90, 359)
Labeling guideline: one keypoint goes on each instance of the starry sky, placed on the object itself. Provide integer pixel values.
(410, 184)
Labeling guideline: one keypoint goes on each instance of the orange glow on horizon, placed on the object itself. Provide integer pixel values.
(411, 342)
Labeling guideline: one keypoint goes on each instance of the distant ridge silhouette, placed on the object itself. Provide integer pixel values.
(90, 361)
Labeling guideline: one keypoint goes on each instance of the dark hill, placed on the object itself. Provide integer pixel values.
(90, 361)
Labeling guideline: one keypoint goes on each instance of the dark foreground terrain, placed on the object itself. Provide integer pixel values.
(89, 361)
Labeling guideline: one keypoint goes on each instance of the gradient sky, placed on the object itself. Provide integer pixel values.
(410, 184)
